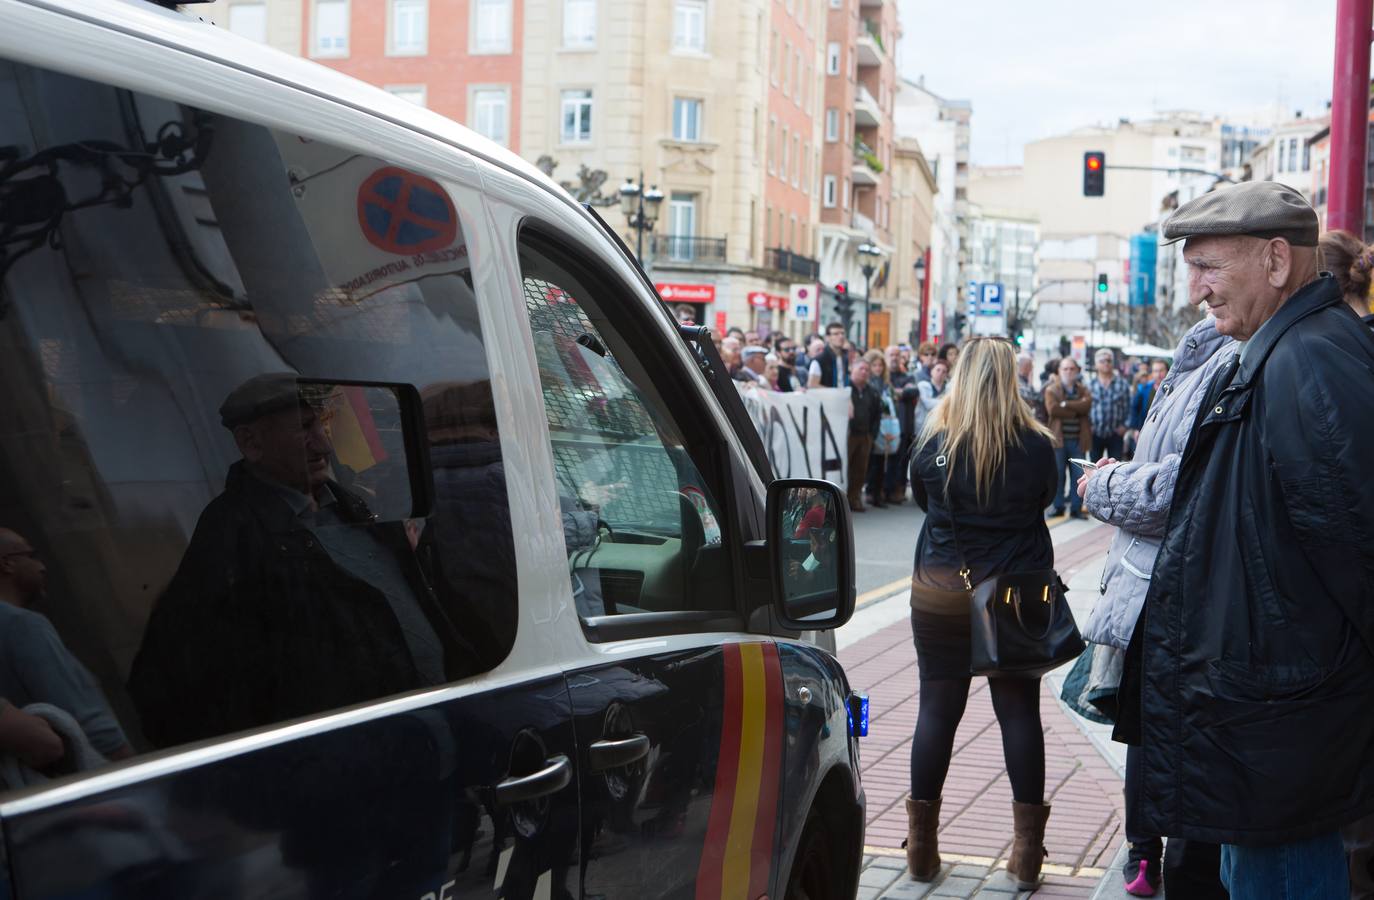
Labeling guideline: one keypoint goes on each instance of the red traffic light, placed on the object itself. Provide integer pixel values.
(1094, 173)
(842, 287)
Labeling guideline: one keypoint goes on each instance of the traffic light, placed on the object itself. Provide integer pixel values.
(841, 288)
(1094, 173)
(1102, 283)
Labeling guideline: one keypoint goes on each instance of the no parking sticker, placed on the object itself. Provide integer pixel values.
(404, 213)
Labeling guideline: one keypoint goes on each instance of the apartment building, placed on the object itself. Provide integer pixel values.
(856, 179)
(716, 105)
(941, 126)
(460, 58)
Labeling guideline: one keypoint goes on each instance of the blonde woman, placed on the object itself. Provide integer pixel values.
(982, 451)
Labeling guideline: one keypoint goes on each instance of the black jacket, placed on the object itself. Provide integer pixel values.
(833, 366)
(868, 409)
(1007, 534)
(1249, 677)
(259, 625)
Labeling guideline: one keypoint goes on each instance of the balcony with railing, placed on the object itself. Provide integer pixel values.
(867, 167)
(870, 44)
(670, 248)
(781, 260)
(866, 110)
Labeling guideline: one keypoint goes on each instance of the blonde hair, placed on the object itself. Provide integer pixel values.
(876, 356)
(983, 413)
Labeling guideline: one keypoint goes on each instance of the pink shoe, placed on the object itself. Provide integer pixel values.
(1142, 886)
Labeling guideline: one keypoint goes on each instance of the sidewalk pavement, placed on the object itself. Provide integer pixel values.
(1082, 767)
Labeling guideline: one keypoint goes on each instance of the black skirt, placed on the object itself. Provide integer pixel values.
(942, 645)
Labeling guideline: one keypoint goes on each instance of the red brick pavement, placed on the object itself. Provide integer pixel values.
(1085, 791)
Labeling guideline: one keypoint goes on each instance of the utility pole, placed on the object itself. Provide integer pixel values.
(1349, 117)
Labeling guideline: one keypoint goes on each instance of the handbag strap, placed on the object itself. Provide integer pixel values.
(942, 461)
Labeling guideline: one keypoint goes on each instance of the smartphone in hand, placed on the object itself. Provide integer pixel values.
(1083, 463)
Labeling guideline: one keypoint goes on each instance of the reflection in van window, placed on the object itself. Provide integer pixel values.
(218, 341)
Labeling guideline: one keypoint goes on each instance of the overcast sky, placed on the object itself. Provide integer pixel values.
(1034, 68)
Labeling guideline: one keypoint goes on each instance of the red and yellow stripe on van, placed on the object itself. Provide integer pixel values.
(737, 859)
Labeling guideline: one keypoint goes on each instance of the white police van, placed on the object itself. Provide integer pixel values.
(368, 528)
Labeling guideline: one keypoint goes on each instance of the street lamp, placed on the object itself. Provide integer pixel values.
(920, 267)
(868, 264)
(641, 210)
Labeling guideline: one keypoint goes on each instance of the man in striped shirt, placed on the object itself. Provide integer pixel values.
(1111, 410)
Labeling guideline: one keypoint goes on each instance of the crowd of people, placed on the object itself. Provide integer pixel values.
(1232, 642)
(893, 391)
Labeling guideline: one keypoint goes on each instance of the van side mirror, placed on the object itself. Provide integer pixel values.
(810, 553)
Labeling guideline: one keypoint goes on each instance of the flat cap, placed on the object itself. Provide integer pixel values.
(1264, 209)
(263, 394)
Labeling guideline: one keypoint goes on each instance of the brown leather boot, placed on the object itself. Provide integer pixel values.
(922, 841)
(1028, 844)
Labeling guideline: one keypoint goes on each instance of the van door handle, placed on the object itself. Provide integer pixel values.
(556, 775)
(617, 753)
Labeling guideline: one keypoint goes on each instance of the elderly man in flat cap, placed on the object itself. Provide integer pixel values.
(1249, 678)
(291, 598)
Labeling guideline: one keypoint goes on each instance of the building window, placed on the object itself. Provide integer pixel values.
(828, 191)
(579, 23)
(491, 26)
(689, 25)
(773, 62)
(832, 58)
(796, 159)
(414, 93)
(844, 196)
(796, 77)
(489, 114)
(577, 117)
(682, 225)
(249, 20)
(806, 173)
(772, 144)
(782, 170)
(849, 128)
(1292, 154)
(409, 27)
(1281, 148)
(686, 119)
(806, 86)
(1306, 156)
(786, 79)
(832, 124)
(331, 27)
(836, 4)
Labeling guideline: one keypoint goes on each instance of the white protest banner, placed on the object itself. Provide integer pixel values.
(806, 433)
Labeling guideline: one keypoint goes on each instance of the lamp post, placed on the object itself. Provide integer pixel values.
(868, 264)
(920, 268)
(640, 207)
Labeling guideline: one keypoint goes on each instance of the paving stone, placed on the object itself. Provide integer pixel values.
(906, 889)
(969, 871)
(958, 887)
(889, 862)
(877, 878)
(867, 893)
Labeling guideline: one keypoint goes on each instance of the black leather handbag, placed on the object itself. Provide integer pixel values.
(1020, 624)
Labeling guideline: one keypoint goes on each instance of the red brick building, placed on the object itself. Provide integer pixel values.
(460, 58)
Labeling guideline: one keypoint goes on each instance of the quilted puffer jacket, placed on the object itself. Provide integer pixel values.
(1135, 496)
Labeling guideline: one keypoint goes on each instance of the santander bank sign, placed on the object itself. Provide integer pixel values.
(686, 293)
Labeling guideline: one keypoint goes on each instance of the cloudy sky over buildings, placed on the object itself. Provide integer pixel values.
(1034, 69)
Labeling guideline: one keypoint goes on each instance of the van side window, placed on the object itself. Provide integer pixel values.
(250, 466)
(642, 527)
